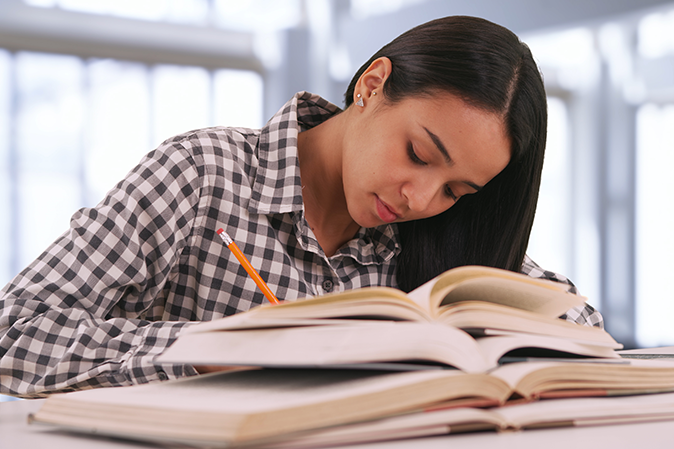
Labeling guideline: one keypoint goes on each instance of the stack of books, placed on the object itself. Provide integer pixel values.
(474, 349)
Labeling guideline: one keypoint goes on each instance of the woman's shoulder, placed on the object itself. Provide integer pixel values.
(532, 269)
(218, 140)
(585, 315)
(214, 149)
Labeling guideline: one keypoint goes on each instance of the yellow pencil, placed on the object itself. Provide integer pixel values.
(247, 266)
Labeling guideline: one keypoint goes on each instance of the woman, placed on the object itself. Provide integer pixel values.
(434, 163)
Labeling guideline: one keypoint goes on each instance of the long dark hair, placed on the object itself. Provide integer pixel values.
(487, 66)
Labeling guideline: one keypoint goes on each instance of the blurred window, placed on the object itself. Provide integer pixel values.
(565, 237)
(654, 225)
(6, 171)
(177, 11)
(549, 245)
(231, 14)
(654, 182)
(656, 34)
(81, 125)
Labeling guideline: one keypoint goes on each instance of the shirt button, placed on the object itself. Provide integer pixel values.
(162, 375)
(327, 285)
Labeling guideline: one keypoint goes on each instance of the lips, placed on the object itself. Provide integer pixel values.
(385, 212)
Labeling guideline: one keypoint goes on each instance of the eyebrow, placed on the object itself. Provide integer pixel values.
(441, 146)
(445, 154)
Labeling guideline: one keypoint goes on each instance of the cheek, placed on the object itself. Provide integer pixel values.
(443, 206)
(436, 208)
(368, 168)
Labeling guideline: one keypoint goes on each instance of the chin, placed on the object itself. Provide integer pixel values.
(366, 218)
(377, 222)
(367, 222)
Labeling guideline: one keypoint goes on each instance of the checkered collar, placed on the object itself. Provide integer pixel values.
(277, 187)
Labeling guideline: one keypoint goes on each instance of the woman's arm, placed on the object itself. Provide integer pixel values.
(586, 315)
(74, 318)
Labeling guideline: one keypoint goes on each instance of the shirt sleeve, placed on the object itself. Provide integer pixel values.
(73, 319)
(585, 315)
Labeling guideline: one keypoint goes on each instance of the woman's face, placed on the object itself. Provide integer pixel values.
(416, 158)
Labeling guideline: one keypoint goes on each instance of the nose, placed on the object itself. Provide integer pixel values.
(419, 194)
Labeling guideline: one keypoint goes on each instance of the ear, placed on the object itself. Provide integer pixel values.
(373, 78)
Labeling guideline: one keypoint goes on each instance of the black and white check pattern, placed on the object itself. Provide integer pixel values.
(104, 300)
(587, 315)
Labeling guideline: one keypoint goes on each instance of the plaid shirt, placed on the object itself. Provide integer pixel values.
(104, 300)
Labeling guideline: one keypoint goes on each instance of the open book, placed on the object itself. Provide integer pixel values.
(266, 406)
(441, 299)
(372, 344)
(468, 318)
(545, 414)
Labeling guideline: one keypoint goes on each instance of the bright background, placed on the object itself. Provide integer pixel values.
(87, 87)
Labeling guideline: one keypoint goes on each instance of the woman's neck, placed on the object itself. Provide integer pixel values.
(326, 211)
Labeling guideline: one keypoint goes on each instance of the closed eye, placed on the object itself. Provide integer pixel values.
(413, 156)
(450, 193)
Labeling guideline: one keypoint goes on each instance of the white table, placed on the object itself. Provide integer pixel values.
(15, 433)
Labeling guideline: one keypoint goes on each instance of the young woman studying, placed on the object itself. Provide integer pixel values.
(435, 162)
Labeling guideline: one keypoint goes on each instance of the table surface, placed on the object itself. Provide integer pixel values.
(15, 433)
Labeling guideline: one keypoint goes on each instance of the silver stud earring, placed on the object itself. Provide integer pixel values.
(374, 92)
(360, 101)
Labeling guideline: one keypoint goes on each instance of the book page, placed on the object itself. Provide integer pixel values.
(509, 292)
(258, 390)
(370, 302)
(460, 274)
(256, 404)
(530, 378)
(422, 295)
(358, 343)
(496, 347)
(410, 425)
(430, 294)
(514, 373)
(244, 321)
(496, 319)
(583, 411)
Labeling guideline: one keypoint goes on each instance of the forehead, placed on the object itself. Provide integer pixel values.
(470, 134)
(445, 108)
